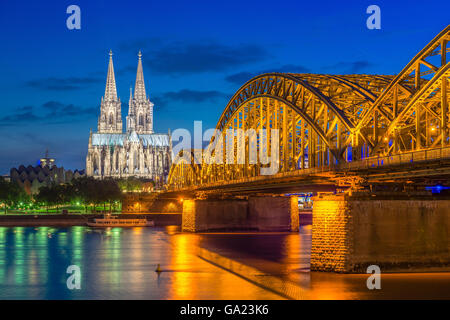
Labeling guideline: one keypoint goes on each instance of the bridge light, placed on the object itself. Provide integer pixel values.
(386, 138)
(181, 200)
(432, 129)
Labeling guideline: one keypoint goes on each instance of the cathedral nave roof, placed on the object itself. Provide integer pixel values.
(118, 139)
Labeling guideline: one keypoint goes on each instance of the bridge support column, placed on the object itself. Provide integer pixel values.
(204, 215)
(274, 213)
(349, 234)
(256, 213)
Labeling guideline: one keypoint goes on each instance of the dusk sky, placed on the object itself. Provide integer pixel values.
(196, 54)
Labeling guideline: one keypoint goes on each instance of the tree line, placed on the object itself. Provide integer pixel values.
(85, 191)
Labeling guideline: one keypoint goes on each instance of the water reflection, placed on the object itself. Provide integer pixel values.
(182, 286)
(119, 263)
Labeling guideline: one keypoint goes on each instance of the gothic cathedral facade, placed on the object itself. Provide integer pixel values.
(139, 151)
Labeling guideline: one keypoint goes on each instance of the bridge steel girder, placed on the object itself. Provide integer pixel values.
(186, 168)
(398, 96)
(323, 119)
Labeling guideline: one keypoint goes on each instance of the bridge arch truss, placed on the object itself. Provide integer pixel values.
(326, 120)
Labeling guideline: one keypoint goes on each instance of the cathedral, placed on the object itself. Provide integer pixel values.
(139, 151)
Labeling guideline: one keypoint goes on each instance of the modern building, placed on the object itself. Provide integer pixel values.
(138, 151)
(31, 178)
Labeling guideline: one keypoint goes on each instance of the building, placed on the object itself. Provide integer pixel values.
(31, 178)
(47, 161)
(136, 152)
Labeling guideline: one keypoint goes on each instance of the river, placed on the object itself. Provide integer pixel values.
(120, 263)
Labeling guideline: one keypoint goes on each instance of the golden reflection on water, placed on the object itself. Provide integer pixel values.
(195, 278)
(137, 254)
(171, 230)
(292, 250)
(182, 286)
(332, 287)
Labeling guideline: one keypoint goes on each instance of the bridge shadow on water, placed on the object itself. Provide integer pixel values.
(280, 264)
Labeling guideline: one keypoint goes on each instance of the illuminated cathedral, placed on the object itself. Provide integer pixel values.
(137, 152)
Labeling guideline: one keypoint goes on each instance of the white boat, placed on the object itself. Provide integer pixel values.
(111, 221)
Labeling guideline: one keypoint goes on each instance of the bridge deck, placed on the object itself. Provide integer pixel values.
(418, 165)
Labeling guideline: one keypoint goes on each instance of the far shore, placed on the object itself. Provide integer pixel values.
(67, 220)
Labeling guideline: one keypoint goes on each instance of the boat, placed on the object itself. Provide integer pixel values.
(109, 220)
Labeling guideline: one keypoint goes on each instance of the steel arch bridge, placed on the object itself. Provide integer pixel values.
(327, 120)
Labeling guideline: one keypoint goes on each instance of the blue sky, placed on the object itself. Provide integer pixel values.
(196, 54)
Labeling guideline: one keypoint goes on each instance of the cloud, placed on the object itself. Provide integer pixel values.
(175, 58)
(342, 67)
(191, 58)
(349, 67)
(18, 117)
(126, 70)
(143, 44)
(25, 108)
(288, 68)
(241, 77)
(58, 109)
(49, 112)
(62, 84)
(189, 96)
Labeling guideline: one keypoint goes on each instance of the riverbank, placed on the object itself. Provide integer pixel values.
(160, 219)
(67, 220)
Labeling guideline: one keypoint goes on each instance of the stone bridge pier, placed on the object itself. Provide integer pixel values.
(397, 233)
(261, 213)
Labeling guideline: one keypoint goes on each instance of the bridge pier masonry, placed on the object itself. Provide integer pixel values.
(397, 233)
(259, 213)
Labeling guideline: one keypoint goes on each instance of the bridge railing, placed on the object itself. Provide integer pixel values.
(397, 159)
(366, 163)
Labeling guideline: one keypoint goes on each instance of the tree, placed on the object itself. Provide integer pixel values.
(54, 195)
(111, 191)
(130, 184)
(11, 193)
(85, 189)
(66, 193)
(46, 196)
(81, 191)
(61, 194)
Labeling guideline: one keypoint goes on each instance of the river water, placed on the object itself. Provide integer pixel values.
(120, 263)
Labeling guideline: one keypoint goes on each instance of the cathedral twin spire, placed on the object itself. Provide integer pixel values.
(139, 87)
(140, 112)
(110, 90)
